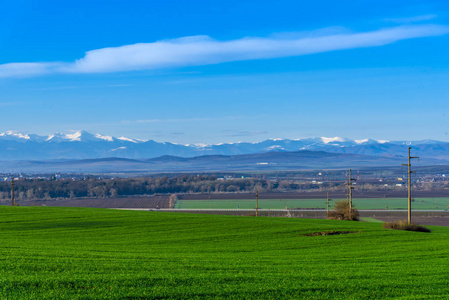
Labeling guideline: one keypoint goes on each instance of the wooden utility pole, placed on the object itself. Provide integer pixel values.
(13, 201)
(257, 202)
(347, 195)
(409, 165)
(350, 188)
(327, 202)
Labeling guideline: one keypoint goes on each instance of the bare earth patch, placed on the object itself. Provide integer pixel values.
(322, 233)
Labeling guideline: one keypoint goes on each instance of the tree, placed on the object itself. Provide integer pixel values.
(342, 212)
(173, 199)
(30, 193)
(113, 192)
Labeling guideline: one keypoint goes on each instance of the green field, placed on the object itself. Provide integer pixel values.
(359, 203)
(76, 253)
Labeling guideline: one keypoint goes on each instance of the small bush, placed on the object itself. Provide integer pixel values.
(403, 225)
(341, 212)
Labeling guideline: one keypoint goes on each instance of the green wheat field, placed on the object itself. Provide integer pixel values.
(437, 203)
(79, 253)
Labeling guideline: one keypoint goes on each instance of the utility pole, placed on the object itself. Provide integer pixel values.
(350, 188)
(347, 190)
(409, 165)
(257, 202)
(327, 202)
(13, 201)
(347, 195)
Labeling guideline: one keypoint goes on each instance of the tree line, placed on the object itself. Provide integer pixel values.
(93, 187)
(27, 189)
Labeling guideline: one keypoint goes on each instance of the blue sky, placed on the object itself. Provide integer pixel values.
(226, 71)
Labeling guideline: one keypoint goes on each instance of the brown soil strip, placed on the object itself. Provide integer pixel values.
(323, 233)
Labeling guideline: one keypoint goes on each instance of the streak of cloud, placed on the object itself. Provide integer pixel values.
(246, 133)
(203, 50)
(182, 120)
(412, 19)
(168, 120)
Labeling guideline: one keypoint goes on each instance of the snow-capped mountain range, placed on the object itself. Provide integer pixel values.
(84, 145)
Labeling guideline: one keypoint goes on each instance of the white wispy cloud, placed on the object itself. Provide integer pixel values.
(168, 120)
(203, 50)
(29, 69)
(182, 120)
(245, 133)
(412, 19)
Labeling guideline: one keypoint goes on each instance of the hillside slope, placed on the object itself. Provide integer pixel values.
(68, 253)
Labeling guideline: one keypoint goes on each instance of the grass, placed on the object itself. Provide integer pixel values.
(440, 203)
(372, 220)
(77, 253)
(403, 225)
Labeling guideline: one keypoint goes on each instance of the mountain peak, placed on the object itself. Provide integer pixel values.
(337, 139)
(15, 135)
(77, 136)
(125, 139)
(82, 144)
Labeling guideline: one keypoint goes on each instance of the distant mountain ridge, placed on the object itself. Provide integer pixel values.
(268, 161)
(85, 145)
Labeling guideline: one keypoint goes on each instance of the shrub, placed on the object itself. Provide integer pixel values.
(403, 225)
(341, 212)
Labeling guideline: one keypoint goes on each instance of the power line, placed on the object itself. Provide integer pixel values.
(409, 165)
